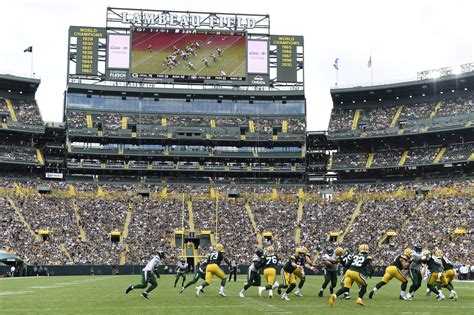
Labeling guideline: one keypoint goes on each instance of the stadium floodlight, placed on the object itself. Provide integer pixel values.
(456, 70)
(435, 74)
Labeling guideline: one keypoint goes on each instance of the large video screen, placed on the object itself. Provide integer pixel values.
(188, 55)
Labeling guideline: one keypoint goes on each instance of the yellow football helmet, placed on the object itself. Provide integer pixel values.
(339, 251)
(438, 252)
(363, 248)
(407, 252)
(220, 248)
(270, 249)
(304, 250)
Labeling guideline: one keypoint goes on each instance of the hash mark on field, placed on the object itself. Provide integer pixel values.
(13, 293)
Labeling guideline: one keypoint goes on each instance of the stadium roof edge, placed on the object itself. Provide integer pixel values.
(17, 84)
(12, 77)
(400, 92)
(136, 91)
(400, 84)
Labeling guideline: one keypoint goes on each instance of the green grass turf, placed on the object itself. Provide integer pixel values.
(106, 295)
(232, 62)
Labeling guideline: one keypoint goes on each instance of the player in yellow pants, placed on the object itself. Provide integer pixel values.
(394, 271)
(360, 265)
(269, 271)
(214, 260)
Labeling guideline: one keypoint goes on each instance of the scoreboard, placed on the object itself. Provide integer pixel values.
(172, 47)
(286, 48)
(87, 48)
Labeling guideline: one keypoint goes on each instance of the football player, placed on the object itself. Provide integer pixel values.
(213, 269)
(253, 277)
(359, 267)
(288, 276)
(330, 261)
(345, 260)
(435, 266)
(148, 275)
(416, 257)
(181, 269)
(449, 273)
(394, 271)
(199, 274)
(304, 261)
(269, 271)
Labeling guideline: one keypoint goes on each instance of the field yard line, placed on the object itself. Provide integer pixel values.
(139, 43)
(237, 68)
(222, 52)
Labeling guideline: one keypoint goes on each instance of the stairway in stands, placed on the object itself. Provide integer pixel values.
(370, 159)
(299, 217)
(66, 252)
(254, 224)
(128, 219)
(355, 121)
(191, 215)
(22, 219)
(439, 155)
(436, 109)
(39, 156)
(82, 234)
(11, 110)
(403, 158)
(396, 116)
(355, 214)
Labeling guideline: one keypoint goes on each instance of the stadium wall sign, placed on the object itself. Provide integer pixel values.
(259, 79)
(188, 20)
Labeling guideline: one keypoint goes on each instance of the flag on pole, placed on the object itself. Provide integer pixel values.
(29, 49)
(336, 64)
(369, 64)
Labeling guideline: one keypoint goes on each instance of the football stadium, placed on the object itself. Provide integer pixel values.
(183, 178)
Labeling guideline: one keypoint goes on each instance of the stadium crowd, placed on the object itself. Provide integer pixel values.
(111, 123)
(379, 209)
(27, 112)
(416, 156)
(22, 154)
(380, 118)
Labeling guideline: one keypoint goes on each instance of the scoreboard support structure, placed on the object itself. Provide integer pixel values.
(270, 61)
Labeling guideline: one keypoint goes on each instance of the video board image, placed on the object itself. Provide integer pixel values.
(178, 54)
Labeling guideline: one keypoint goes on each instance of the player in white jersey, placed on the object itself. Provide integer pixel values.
(148, 275)
(416, 257)
(181, 269)
(330, 261)
(253, 277)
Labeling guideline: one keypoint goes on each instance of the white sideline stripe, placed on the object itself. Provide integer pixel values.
(180, 306)
(51, 286)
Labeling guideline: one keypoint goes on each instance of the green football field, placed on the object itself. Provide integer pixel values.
(232, 62)
(106, 295)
